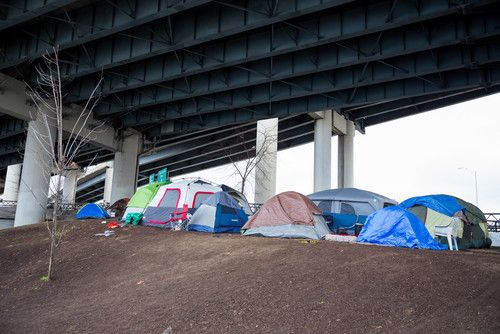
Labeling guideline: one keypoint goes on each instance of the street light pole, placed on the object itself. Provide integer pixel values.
(475, 187)
(475, 183)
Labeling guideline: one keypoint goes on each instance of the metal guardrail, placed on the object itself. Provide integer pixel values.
(493, 220)
(64, 207)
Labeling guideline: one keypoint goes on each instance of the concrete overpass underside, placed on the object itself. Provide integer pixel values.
(193, 77)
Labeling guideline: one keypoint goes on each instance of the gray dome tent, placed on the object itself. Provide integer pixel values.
(345, 208)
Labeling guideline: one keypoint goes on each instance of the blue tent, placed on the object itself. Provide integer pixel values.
(397, 227)
(445, 204)
(90, 211)
(218, 213)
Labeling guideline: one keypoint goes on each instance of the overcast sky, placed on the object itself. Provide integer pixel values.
(411, 156)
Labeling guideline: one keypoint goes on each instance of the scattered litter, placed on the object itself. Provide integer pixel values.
(113, 225)
(306, 241)
(140, 282)
(168, 330)
(106, 233)
(340, 237)
(103, 222)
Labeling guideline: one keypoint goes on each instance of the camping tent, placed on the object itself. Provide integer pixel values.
(176, 201)
(435, 210)
(288, 215)
(395, 226)
(141, 198)
(91, 211)
(219, 213)
(347, 207)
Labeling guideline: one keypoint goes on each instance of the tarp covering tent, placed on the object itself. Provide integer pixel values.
(347, 207)
(140, 200)
(397, 227)
(435, 210)
(91, 211)
(445, 204)
(218, 213)
(288, 215)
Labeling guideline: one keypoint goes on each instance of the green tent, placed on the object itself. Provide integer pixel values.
(141, 198)
(475, 234)
(144, 195)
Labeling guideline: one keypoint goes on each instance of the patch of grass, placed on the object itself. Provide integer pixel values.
(44, 278)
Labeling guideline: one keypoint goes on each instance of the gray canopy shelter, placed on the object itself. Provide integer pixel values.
(350, 201)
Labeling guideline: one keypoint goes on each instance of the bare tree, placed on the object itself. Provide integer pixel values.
(246, 158)
(48, 111)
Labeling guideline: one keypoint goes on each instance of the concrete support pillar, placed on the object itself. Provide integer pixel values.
(125, 169)
(12, 180)
(35, 176)
(323, 151)
(70, 183)
(108, 184)
(346, 157)
(267, 150)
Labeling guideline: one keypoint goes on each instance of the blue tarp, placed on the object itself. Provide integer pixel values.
(444, 204)
(397, 227)
(90, 211)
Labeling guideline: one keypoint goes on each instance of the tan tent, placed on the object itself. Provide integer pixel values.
(288, 215)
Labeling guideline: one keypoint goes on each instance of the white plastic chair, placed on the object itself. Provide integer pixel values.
(449, 231)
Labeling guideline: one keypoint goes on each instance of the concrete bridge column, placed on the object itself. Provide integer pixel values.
(108, 184)
(323, 151)
(346, 157)
(35, 176)
(12, 180)
(70, 184)
(265, 169)
(125, 168)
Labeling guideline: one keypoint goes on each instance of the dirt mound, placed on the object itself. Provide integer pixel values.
(144, 280)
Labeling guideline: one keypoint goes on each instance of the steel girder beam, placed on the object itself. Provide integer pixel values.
(325, 83)
(236, 155)
(10, 159)
(90, 155)
(417, 106)
(95, 198)
(233, 140)
(19, 11)
(87, 24)
(360, 112)
(93, 192)
(438, 34)
(199, 25)
(10, 149)
(383, 92)
(92, 182)
(290, 130)
(10, 126)
(324, 28)
(96, 159)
